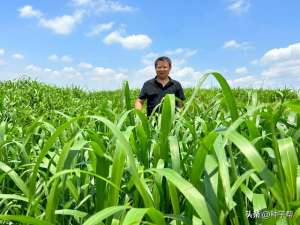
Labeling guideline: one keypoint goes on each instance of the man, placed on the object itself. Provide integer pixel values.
(155, 89)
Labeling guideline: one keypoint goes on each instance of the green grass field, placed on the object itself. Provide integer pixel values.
(73, 157)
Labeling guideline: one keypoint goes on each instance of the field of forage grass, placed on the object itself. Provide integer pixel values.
(68, 156)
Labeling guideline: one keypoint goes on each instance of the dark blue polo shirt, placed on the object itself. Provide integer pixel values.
(153, 92)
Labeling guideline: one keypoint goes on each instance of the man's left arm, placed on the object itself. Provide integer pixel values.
(180, 94)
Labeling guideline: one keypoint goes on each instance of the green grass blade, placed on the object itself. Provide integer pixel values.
(53, 196)
(98, 217)
(15, 177)
(194, 94)
(226, 90)
(229, 99)
(167, 117)
(298, 182)
(127, 96)
(156, 216)
(219, 147)
(289, 163)
(116, 175)
(257, 163)
(24, 219)
(134, 216)
(143, 118)
(175, 200)
(13, 197)
(71, 212)
(195, 198)
(200, 156)
(240, 181)
(43, 153)
(78, 171)
(295, 107)
(175, 154)
(124, 144)
(259, 202)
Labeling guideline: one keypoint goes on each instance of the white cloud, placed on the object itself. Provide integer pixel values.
(183, 52)
(254, 62)
(283, 65)
(135, 41)
(69, 69)
(233, 44)
(104, 78)
(151, 55)
(85, 65)
(186, 75)
(2, 62)
(286, 69)
(265, 81)
(65, 75)
(17, 56)
(280, 67)
(34, 68)
(102, 71)
(149, 58)
(113, 6)
(247, 81)
(101, 77)
(100, 6)
(147, 72)
(239, 6)
(181, 71)
(108, 77)
(2, 51)
(120, 77)
(66, 59)
(28, 12)
(81, 2)
(53, 58)
(68, 74)
(63, 24)
(179, 56)
(241, 70)
(279, 54)
(100, 28)
(47, 70)
(62, 59)
(60, 25)
(186, 72)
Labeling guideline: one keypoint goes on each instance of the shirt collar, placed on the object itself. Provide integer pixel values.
(170, 81)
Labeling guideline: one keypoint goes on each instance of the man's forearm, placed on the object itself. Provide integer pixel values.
(138, 104)
(180, 104)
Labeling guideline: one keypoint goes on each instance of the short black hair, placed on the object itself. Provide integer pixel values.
(163, 58)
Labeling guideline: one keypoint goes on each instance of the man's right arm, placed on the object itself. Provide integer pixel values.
(180, 94)
(139, 104)
(141, 99)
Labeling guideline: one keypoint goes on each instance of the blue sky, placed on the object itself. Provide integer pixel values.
(97, 44)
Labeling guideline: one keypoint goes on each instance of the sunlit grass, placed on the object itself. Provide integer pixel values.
(68, 156)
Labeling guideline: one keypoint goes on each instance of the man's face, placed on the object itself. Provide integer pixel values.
(162, 69)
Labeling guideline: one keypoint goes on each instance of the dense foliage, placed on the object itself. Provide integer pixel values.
(69, 156)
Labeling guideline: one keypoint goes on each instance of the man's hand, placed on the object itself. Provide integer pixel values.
(180, 104)
(139, 104)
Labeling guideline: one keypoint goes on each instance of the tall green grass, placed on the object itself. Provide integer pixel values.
(68, 156)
